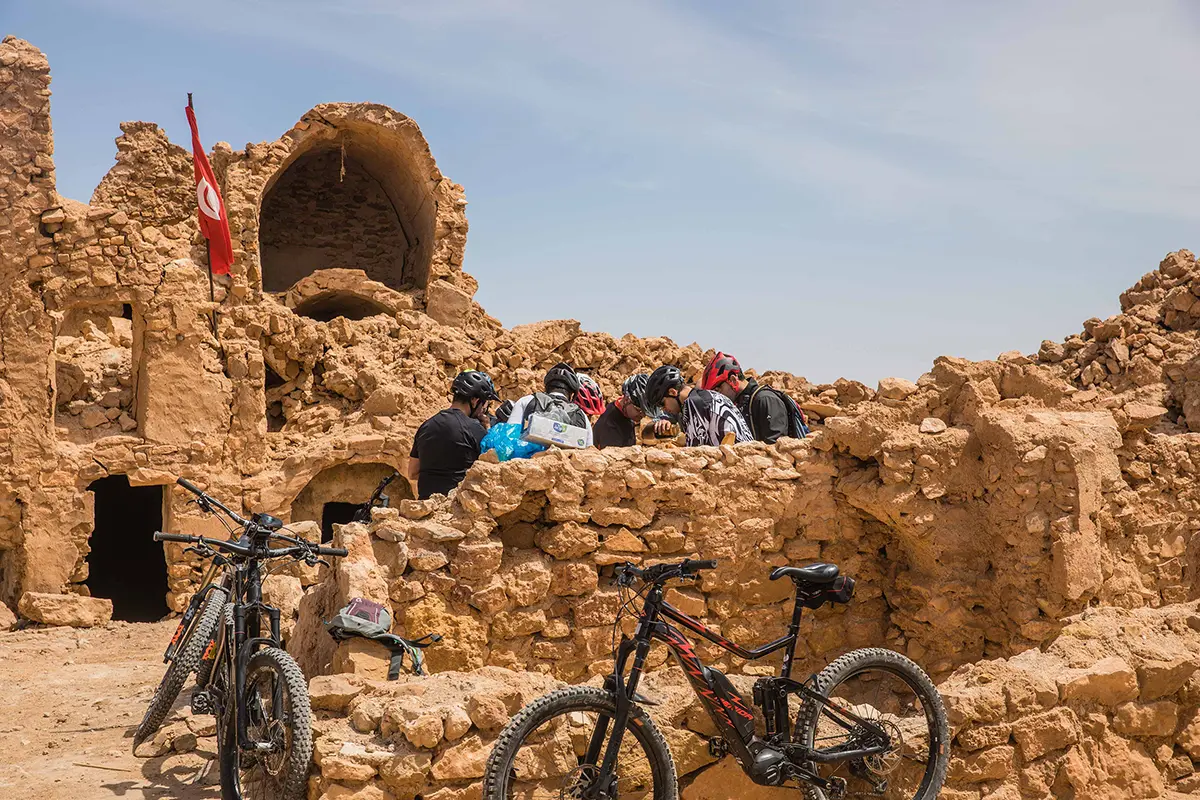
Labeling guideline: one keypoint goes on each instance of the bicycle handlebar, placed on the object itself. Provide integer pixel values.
(208, 500)
(300, 546)
(660, 573)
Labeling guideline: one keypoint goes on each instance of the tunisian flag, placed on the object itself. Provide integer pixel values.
(214, 224)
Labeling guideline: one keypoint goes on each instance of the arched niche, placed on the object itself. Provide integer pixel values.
(332, 304)
(355, 200)
(332, 493)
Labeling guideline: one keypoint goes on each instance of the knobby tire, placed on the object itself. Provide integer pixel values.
(499, 770)
(187, 659)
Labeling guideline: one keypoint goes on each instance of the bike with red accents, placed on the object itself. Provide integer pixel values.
(871, 724)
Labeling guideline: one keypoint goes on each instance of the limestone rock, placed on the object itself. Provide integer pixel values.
(71, 610)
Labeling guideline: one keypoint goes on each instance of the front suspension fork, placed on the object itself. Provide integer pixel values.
(602, 785)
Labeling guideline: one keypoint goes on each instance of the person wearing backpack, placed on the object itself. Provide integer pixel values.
(448, 443)
(770, 413)
(561, 385)
(706, 417)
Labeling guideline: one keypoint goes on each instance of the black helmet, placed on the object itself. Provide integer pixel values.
(562, 374)
(504, 410)
(661, 381)
(634, 389)
(473, 385)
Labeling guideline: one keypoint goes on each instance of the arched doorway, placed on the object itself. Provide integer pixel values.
(356, 201)
(332, 496)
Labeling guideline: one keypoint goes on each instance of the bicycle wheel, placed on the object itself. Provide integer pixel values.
(277, 709)
(543, 752)
(208, 656)
(896, 695)
(186, 659)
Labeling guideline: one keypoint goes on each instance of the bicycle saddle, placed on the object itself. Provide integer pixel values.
(816, 574)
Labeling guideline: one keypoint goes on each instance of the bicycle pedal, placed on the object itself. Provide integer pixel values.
(202, 703)
(718, 747)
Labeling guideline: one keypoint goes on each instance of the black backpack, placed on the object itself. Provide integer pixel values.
(797, 421)
(556, 407)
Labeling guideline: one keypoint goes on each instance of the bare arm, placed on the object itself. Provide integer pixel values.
(414, 468)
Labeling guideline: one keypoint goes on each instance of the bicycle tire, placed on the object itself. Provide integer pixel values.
(858, 661)
(205, 669)
(499, 768)
(186, 659)
(292, 780)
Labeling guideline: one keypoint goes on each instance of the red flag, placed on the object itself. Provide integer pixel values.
(214, 224)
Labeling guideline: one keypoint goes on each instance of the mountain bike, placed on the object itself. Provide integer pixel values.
(378, 499)
(186, 653)
(257, 691)
(871, 724)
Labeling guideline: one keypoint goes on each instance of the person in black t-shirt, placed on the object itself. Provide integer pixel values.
(617, 426)
(448, 443)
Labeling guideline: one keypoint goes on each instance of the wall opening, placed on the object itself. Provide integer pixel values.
(125, 564)
(330, 305)
(335, 513)
(273, 386)
(342, 205)
(331, 496)
(94, 355)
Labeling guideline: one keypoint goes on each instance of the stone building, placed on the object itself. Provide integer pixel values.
(291, 389)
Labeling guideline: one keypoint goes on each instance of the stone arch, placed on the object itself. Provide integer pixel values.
(336, 488)
(358, 190)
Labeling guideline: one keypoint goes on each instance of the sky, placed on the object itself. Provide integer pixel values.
(829, 188)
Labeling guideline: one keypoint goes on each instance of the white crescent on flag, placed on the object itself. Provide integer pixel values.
(209, 200)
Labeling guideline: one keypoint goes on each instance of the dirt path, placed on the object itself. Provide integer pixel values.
(69, 700)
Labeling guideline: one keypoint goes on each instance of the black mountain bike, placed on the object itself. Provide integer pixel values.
(256, 690)
(197, 628)
(870, 724)
(378, 499)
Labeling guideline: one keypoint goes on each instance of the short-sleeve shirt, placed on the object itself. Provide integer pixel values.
(447, 445)
(707, 416)
(614, 429)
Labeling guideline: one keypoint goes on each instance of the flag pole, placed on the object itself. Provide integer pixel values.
(212, 291)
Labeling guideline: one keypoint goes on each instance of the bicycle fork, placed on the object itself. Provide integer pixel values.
(603, 785)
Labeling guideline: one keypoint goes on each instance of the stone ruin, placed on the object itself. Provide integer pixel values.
(1025, 528)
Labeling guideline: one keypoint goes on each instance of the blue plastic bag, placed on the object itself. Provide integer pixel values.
(505, 439)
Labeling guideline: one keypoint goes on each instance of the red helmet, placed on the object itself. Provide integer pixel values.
(719, 370)
(589, 397)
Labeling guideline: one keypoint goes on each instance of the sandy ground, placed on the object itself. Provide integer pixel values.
(69, 701)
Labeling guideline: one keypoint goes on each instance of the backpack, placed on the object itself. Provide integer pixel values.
(797, 421)
(372, 621)
(554, 407)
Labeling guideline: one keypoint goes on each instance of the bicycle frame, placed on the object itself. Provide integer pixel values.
(244, 631)
(769, 760)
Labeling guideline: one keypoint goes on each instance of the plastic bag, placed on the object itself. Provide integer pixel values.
(505, 439)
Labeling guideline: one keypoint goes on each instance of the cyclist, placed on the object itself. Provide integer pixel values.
(562, 385)
(764, 409)
(617, 426)
(448, 443)
(705, 417)
(589, 397)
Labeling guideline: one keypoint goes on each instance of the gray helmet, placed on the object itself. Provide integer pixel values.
(634, 389)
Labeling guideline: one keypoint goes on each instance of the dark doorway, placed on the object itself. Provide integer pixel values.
(125, 564)
(335, 514)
